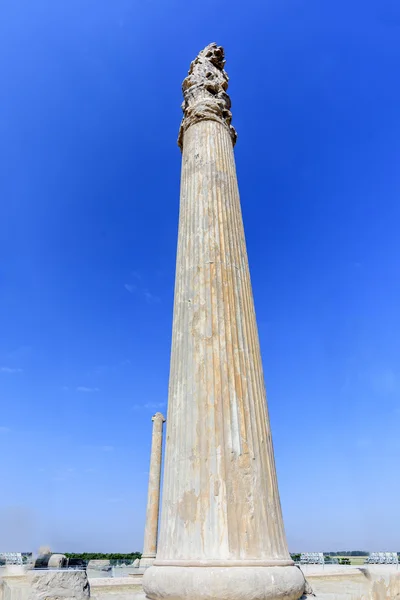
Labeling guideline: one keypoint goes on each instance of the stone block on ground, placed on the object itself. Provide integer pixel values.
(99, 565)
(57, 561)
(58, 585)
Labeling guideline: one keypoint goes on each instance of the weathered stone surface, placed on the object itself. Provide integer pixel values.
(99, 564)
(136, 563)
(221, 532)
(56, 561)
(153, 496)
(116, 588)
(204, 92)
(354, 583)
(14, 570)
(58, 585)
(308, 591)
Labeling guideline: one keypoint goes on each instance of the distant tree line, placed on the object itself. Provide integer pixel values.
(295, 557)
(86, 556)
(344, 561)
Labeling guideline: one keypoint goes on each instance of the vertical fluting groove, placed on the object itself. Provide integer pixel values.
(242, 302)
(241, 293)
(223, 337)
(235, 274)
(235, 318)
(227, 261)
(218, 345)
(232, 530)
(226, 266)
(231, 324)
(187, 481)
(235, 429)
(183, 380)
(223, 358)
(218, 282)
(211, 492)
(187, 301)
(182, 340)
(218, 358)
(236, 287)
(233, 262)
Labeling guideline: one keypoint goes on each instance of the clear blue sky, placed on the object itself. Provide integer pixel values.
(89, 184)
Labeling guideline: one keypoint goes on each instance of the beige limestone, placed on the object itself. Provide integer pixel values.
(14, 587)
(375, 582)
(58, 585)
(153, 495)
(14, 570)
(56, 561)
(116, 588)
(99, 564)
(221, 532)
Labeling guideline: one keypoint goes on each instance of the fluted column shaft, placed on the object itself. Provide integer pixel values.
(220, 497)
(153, 496)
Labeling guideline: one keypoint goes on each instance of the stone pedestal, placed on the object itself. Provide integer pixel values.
(221, 534)
(153, 497)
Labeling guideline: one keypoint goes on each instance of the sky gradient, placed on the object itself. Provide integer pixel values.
(89, 187)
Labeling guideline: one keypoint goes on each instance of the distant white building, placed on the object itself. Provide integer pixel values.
(11, 558)
(312, 558)
(383, 558)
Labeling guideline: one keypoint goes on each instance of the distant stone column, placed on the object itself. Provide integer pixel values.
(153, 495)
(221, 532)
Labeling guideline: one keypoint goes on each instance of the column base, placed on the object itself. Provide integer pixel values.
(223, 582)
(146, 561)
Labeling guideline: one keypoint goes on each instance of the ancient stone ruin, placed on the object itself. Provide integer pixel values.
(221, 531)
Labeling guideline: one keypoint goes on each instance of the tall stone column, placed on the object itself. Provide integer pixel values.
(153, 494)
(221, 533)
